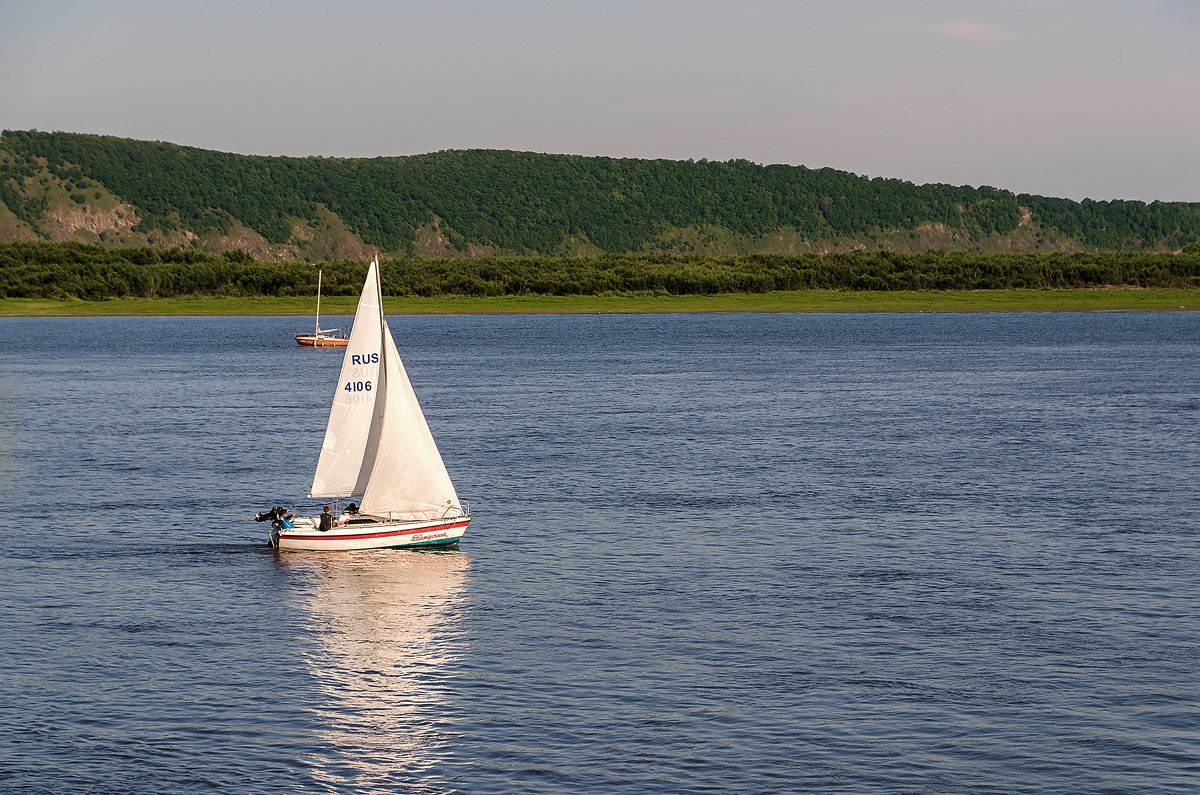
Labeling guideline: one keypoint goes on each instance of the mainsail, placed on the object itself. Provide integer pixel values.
(378, 444)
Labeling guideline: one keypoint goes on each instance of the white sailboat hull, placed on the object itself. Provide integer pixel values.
(369, 534)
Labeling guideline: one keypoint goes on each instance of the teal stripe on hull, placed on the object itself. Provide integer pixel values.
(437, 542)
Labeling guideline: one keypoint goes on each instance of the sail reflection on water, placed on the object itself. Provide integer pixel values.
(385, 631)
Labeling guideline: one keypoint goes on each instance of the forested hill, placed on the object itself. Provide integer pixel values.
(101, 189)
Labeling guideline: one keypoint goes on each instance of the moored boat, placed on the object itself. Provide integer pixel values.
(322, 338)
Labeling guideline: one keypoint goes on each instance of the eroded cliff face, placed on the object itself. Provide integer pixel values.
(108, 221)
(75, 208)
(50, 207)
(88, 224)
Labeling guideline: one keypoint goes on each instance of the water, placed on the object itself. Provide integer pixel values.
(750, 553)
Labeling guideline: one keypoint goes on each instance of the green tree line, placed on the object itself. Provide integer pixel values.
(530, 203)
(73, 270)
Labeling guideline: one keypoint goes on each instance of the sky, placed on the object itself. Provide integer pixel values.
(1075, 98)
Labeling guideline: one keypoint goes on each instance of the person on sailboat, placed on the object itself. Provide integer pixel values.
(277, 514)
(326, 520)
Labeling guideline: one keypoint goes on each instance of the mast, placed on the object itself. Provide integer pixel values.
(382, 322)
(381, 399)
(318, 301)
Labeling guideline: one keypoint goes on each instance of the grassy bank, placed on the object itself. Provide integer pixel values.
(793, 301)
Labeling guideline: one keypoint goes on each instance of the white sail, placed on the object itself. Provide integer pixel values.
(351, 437)
(408, 479)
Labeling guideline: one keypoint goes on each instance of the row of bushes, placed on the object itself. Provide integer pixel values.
(71, 270)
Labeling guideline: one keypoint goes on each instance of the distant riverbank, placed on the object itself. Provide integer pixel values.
(783, 301)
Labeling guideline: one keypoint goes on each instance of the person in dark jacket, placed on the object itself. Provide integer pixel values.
(326, 520)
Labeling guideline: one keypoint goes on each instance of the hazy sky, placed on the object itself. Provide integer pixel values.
(1076, 98)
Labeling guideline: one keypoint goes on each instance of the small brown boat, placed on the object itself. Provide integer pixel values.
(321, 339)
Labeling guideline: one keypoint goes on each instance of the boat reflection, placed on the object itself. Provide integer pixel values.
(385, 638)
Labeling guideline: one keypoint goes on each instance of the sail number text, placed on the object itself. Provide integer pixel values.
(361, 364)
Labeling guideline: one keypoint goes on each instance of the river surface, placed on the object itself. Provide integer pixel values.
(744, 553)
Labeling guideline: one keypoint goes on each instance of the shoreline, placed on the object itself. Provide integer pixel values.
(800, 301)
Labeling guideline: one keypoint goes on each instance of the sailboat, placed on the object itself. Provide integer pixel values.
(322, 338)
(377, 447)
